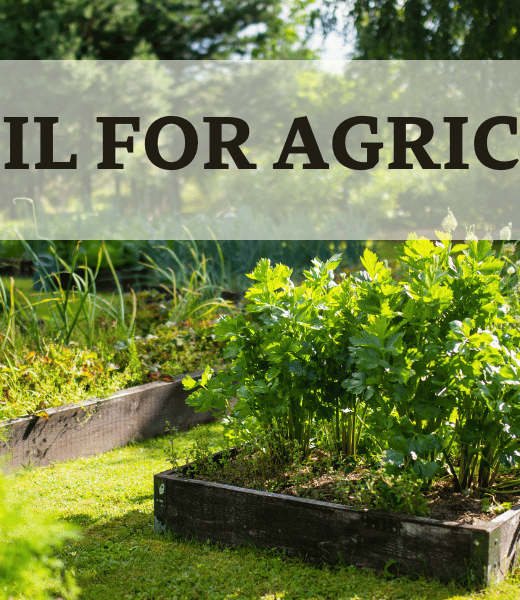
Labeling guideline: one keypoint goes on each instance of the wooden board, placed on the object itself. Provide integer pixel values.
(321, 531)
(97, 426)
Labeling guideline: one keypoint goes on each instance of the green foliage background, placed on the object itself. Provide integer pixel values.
(28, 568)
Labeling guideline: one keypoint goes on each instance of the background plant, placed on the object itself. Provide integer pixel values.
(71, 298)
(36, 381)
(193, 289)
(69, 342)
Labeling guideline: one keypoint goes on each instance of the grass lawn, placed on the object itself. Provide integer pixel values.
(110, 497)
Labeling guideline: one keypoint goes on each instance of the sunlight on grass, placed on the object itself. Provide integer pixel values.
(120, 556)
(43, 310)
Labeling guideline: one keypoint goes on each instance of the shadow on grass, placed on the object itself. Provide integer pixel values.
(141, 498)
(82, 520)
(125, 558)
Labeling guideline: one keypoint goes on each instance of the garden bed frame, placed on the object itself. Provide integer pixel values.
(481, 553)
(97, 425)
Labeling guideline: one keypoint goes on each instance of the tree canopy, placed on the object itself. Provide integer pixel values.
(427, 29)
(163, 29)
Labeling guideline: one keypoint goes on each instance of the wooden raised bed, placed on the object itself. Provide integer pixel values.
(481, 553)
(97, 425)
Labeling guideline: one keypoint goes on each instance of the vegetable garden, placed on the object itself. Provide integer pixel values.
(392, 381)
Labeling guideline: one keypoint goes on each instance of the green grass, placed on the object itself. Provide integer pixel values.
(25, 285)
(120, 556)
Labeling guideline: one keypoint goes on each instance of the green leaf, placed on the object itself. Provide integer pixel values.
(425, 411)
(371, 264)
(189, 383)
(394, 457)
(425, 469)
(206, 376)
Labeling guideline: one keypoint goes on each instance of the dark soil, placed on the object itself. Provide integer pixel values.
(322, 477)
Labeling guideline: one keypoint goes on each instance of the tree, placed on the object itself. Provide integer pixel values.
(145, 29)
(428, 29)
(163, 29)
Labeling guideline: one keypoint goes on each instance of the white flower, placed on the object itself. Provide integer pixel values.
(505, 233)
(511, 270)
(449, 223)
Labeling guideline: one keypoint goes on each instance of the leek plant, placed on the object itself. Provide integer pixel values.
(193, 290)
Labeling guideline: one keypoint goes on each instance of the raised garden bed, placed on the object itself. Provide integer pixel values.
(480, 553)
(97, 425)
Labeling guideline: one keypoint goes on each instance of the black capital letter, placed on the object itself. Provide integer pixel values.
(310, 147)
(456, 161)
(416, 146)
(16, 142)
(481, 139)
(216, 144)
(339, 144)
(151, 143)
(46, 150)
(110, 143)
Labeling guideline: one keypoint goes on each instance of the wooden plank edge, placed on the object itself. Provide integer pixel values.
(494, 544)
(18, 432)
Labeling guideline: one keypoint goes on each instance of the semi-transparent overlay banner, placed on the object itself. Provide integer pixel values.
(258, 149)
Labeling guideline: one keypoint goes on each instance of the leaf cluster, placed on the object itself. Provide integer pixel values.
(426, 29)
(111, 30)
(37, 381)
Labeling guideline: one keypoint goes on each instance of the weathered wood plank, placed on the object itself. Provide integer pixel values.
(97, 426)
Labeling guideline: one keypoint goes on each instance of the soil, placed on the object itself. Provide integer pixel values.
(321, 477)
(447, 505)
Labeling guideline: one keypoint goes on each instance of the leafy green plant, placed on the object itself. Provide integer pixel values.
(394, 492)
(200, 448)
(288, 357)
(437, 355)
(171, 350)
(489, 504)
(28, 567)
(423, 369)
